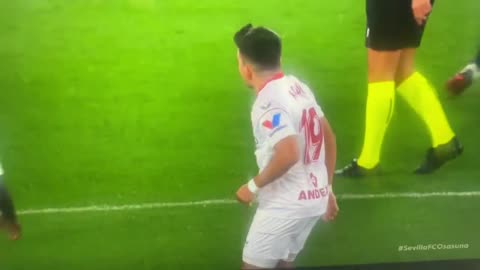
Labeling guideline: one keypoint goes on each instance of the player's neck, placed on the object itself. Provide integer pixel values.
(266, 77)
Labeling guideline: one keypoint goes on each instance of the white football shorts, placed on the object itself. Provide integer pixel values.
(271, 240)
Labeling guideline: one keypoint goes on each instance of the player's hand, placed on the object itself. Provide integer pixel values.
(332, 208)
(421, 10)
(245, 196)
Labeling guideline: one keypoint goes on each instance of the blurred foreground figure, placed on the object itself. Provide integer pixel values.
(8, 218)
(465, 78)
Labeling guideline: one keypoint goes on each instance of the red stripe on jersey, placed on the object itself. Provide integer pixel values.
(273, 78)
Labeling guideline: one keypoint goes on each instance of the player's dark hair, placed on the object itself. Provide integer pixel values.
(259, 45)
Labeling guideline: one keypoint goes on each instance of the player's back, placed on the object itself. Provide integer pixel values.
(286, 107)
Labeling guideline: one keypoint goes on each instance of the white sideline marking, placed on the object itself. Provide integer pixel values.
(111, 208)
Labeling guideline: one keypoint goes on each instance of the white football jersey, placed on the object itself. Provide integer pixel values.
(285, 107)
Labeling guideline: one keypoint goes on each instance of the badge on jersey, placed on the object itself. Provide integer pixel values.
(273, 123)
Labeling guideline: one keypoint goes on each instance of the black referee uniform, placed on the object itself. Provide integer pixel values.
(391, 25)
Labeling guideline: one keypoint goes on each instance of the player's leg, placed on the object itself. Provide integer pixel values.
(301, 233)
(273, 242)
(465, 78)
(382, 67)
(263, 236)
(420, 95)
(8, 218)
(383, 57)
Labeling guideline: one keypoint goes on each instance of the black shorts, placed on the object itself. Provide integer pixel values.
(392, 26)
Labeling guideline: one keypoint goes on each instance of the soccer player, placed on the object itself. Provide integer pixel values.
(8, 218)
(394, 32)
(295, 151)
(464, 79)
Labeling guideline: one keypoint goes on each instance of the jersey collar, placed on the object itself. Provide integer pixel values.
(275, 77)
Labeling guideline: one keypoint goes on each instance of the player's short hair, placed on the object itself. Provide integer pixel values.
(260, 46)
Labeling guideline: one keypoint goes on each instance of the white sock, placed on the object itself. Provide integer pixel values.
(474, 68)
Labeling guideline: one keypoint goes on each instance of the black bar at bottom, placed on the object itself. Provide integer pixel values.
(473, 264)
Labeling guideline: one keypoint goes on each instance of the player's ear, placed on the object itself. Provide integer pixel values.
(248, 71)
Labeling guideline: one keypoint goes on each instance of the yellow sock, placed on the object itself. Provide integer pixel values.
(421, 96)
(380, 103)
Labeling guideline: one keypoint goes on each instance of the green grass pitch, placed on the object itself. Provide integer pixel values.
(139, 101)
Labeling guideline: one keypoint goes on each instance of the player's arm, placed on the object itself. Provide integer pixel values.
(330, 149)
(330, 160)
(275, 128)
(286, 155)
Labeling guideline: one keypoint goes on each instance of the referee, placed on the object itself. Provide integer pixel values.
(394, 32)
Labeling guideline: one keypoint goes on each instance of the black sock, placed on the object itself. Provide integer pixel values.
(6, 204)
